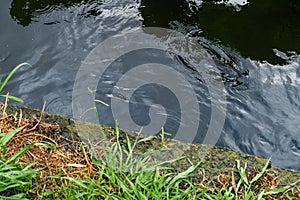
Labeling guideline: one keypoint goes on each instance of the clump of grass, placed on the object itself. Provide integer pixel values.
(247, 186)
(122, 175)
(16, 178)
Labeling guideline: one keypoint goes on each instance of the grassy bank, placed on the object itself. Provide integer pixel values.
(37, 162)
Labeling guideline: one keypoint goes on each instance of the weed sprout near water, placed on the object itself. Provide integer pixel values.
(3, 84)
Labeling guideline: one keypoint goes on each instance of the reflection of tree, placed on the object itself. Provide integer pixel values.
(160, 13)
(296, 5)
(254, 31)
(24, 11)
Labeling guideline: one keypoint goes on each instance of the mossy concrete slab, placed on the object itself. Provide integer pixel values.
(213, 160)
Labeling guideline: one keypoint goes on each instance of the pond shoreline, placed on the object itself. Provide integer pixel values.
(214, 160)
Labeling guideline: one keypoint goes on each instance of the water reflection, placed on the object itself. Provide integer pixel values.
(253, 31)
(263, 117)
(25, 12)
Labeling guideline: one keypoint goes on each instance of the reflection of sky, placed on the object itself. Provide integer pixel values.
(236, 3)
(281, 86)
(266, 120)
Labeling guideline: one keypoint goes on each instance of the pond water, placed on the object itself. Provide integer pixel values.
(255, 45)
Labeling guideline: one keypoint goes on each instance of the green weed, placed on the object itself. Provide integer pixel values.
(4, 83)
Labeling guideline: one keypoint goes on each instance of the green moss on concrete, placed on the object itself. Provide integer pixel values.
(213, 160)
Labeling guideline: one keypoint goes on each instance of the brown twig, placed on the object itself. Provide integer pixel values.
(41, 116)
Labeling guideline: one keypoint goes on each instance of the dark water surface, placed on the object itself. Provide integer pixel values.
(255, 45)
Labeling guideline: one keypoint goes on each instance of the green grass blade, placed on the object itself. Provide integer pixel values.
(84, 113)
(11, 74)
(76, 181)
(17, 155)
(260, 173)
(146, 139)
(101, 102)
(5, 137)
(242, 172)
(12, 98)
(278, 190)
(46, 144)
(20, 196)
(260, 195)
(184, 174)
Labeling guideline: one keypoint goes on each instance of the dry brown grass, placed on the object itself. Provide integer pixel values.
(53, 153)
